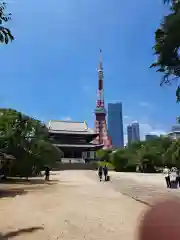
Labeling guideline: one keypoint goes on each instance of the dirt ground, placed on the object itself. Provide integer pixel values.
(74, 206)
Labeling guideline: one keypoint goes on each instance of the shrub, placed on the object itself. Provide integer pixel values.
(108, 164)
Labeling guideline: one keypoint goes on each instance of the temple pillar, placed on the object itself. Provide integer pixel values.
(84, 155)
(92, 155)
(89, 155)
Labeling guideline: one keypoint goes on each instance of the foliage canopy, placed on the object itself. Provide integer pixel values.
(167, 44)
(27, 140)
(146, 155)
(5, 34)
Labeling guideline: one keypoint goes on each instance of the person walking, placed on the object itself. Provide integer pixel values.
(47, 173)
(105, 171)
(166, 173)
(178, 177)
(100, 172)
(173, 177)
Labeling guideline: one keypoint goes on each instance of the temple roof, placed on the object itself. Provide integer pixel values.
(56, 126)
(80, 145)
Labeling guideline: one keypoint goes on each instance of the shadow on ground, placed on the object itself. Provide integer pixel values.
(27, 181)
(12, 192)
(19, 232)
(15, 186)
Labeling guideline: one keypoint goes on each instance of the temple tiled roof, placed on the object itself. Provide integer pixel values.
(56, 126)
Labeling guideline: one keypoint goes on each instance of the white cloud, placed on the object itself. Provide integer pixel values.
(146, 128)
(66, 118)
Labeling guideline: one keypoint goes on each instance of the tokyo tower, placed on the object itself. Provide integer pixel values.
(100, 112)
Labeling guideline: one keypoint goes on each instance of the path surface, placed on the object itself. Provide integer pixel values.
(78, 206)
(142, 187)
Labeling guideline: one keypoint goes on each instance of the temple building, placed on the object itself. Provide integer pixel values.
(74, 139)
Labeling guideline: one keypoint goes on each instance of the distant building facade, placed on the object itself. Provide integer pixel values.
(115, 124)
(133, 133)
(129, 134)
(175, 132)
(150, 137)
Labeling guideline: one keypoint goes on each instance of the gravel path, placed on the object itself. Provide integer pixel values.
(142, 187)
(77, 206)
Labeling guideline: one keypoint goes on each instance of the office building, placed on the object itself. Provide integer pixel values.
(115, 124)
(129, 134)
(135, 131)
(133, 134)
(175, 132)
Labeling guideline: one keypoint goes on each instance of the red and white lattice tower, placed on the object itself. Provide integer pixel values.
(100, 112)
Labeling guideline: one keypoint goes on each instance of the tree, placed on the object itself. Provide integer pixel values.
(27, 140)
(153, 152)
(167, 43)
(120, 160)
(172, 155)
(45, 153)
(103, 154)
(147, 155)
(5, 34)
(124, 160)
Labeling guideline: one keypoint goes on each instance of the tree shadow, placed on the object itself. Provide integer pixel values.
(19, 232)
(29, 181)
(12, 192)
(13, 186)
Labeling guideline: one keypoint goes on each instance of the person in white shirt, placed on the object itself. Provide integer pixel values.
(166, 173)
(178, 177)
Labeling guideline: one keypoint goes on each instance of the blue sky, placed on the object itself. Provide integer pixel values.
(49, 71)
